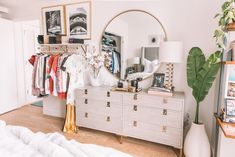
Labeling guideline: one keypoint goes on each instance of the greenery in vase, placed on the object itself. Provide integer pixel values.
(201, 73)
(227, 16)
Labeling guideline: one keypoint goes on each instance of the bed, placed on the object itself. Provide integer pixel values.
(17, 141)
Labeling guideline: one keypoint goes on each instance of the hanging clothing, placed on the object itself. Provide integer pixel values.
(57, 75)
(75, 67)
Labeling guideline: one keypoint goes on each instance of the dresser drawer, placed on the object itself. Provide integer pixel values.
(155, 133)
(153, 101)
(106, 123)
(100, 107)
(104, 95)
(152, 115)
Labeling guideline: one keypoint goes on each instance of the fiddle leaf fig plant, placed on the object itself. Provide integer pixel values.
(201, 73)
(226, 17)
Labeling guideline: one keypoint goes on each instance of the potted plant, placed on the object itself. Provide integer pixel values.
(200, 75)
(226, 22)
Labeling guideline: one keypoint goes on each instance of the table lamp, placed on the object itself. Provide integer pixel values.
(170, 52)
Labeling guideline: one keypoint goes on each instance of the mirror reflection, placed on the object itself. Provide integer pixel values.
(131, 41)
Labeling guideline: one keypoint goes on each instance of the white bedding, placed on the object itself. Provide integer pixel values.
(16, 141)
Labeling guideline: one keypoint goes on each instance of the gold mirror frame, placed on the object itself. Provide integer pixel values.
(131, 10)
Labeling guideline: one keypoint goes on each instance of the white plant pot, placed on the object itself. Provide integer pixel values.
(196, 143)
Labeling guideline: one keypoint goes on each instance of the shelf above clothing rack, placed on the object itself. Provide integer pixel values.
(62, 48)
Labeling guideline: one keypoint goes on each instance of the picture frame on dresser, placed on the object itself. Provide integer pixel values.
(78, 20)
(53, 20)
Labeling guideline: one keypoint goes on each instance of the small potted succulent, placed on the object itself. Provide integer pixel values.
(226, 23)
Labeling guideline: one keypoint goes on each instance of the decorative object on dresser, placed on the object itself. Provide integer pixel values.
(226, 23)
(170, 52)
(140, 115)
(200, 76)
(129, 59)
(78, 19)
(160, 91)
(158, 80)
(53, 20)
(95, 62)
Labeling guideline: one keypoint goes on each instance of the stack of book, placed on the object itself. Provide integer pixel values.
(160, 91)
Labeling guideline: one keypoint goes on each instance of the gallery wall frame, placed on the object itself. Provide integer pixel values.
(78, 19)
(230, 107)
(230, 82)
(53, 20)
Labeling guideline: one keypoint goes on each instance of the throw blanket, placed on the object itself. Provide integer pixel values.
(16, 141)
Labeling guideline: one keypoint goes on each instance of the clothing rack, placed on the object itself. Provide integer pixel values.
(62, 48)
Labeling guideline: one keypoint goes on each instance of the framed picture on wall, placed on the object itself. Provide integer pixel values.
(230, 82)
(230, 107)
(53, 20)
(78, 19)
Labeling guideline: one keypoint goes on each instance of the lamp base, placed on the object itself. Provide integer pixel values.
(169, 76)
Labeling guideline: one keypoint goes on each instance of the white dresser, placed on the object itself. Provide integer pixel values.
(140, 115)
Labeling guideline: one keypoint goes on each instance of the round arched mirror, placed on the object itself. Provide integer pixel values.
(131, 43)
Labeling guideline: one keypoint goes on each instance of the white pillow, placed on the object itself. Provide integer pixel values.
(147, 66)
(154, 65)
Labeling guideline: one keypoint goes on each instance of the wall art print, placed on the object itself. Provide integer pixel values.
(78, 19)
(53, 20)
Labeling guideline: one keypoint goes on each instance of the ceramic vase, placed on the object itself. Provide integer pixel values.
(196, 143)
(94, 81)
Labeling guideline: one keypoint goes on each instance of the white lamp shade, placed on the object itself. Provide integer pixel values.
(171, 52)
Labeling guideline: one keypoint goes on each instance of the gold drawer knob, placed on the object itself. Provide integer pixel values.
(165, 101)
(108, 119)
(86, 115)
(164, 112)
(135, 97)
(135, 123)
(85, 91)
(135, 107)
(108, 104)
(164, 128)
(86, 101)
(108, 94)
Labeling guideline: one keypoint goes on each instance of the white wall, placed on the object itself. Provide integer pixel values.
(190, 21)
(8, 81)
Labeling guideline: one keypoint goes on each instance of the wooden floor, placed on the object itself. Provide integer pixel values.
(32, 118)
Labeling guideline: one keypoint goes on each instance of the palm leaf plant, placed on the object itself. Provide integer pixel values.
(200, 74)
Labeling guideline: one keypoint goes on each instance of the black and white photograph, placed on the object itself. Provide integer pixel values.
(230, 107)
(53, 20)
(78, 18)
